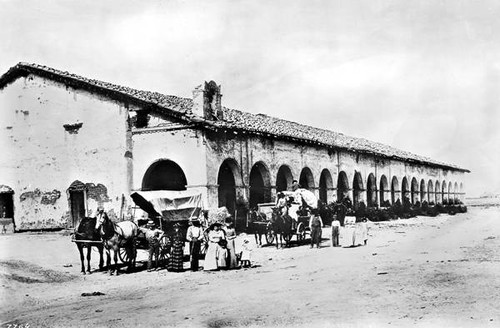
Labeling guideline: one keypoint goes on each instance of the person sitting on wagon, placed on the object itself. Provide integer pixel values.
(153, 236)
(282, 204)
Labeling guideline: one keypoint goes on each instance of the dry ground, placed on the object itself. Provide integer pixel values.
(421, 272)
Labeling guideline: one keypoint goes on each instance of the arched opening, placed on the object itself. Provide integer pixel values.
(342, 185)
(284, 178)
(456, 193)
(164, 175)
(395, 192)
(384, 190)
(260, 185)
(462, 193)
(357, 189)
(325, 186)
(6, 205)
(430, 192)
(371, 191)
(77, 198)
(226, 179)
(405, 190)
(444, 194)
(438, 193)
(422, 191)
(414, 191)
(306, 179)
(451, 198)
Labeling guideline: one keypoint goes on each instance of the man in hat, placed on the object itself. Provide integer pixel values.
(153, 236)
(195, 236)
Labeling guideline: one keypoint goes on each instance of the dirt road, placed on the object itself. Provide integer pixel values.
(421, 272)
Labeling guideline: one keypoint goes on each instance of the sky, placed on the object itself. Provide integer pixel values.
(422, 76)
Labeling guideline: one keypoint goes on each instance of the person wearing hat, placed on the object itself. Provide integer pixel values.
(176, 262)
(215, 235)
(153, 236)
(195, 236)
(246, 253)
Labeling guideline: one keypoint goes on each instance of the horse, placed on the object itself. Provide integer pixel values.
(281, 225)
(256, 226)
(86, 231)
(115, 236)
(326, 212)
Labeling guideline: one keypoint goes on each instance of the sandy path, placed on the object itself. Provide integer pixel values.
(423, 272)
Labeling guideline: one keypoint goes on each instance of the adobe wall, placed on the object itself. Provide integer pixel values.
(41, 158)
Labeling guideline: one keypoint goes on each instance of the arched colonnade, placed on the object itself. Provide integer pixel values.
(262, 185)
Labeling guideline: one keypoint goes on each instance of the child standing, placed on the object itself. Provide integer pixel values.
(364, 230)
(246, 253)
(222, 254)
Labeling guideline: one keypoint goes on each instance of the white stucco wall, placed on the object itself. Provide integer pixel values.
(184, 147)
(38, 153)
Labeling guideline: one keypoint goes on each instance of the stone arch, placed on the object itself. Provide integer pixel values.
(325, 186)
(422, 191)
(456, 193)
(371, 191)
(306, 179)
(430, 192)
(164, 174)
(405, 189)
(395, 192)
(342, 185)
(384, 190)
(228, 178)
(284, 178)
(438, 193)
(357, 189)
(260, 184)
(444, 194)
(451, 198)
(414, 191)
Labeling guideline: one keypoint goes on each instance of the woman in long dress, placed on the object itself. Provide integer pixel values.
(214, 236)
(176, 262)
(231, 247)
(348, 233)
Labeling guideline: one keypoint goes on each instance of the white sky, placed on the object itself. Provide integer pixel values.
(423, 76)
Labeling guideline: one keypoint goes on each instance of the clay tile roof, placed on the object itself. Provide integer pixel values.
(233, 119)
(174, 103)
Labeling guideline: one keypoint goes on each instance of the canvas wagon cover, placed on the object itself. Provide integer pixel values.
(172, 205)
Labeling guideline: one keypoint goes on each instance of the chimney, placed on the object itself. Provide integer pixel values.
(207, 101)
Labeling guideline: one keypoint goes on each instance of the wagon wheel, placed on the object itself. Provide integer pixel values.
(164, 250)
(122, 254)
(269, 234)
(301, 233)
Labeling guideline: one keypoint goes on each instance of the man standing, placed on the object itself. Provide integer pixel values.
(153, 236)
(335, 232)
(195, 236)
(315, 224)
